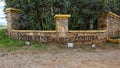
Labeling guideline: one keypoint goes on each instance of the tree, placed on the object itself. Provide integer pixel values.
(113, 5)
(39, 14)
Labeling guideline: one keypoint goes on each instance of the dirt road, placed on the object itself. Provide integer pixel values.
(66, 58)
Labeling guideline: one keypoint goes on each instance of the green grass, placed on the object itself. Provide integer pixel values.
(8, 44)
(39, 46)
(116, 37)
(2, 25)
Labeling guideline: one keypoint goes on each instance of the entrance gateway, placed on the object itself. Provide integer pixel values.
(62, 34)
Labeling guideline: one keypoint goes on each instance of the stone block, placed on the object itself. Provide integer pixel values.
(62, 24)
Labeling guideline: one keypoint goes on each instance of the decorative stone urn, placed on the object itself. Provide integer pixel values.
(62, 24)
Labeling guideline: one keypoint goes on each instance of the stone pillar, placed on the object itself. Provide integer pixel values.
(102, 21)
(12, 18)
(62, 24)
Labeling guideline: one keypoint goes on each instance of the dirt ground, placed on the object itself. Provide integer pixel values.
(63, 58)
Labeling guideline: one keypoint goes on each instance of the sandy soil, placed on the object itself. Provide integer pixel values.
(66, 58)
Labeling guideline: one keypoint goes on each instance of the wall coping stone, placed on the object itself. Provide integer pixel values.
(62, 16)
(12, 10)
(51, 31)
(90, 31)
(29, 31)
(114, 15)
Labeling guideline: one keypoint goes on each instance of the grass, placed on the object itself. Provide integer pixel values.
(2, 25)
(39, 46)
(8, 44)
(116, 37)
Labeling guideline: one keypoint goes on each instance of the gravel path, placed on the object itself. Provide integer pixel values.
(70, 58)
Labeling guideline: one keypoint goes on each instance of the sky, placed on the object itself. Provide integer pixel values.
(2, 15)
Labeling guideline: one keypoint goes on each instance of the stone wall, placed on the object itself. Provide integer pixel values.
(102, 21)
(113, 24)
(109, 22)
(76, 37)
(108, 25)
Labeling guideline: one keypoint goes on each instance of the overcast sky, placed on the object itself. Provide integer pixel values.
(2, 15)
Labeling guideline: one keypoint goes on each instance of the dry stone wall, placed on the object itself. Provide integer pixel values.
(109, 22)
(76, 37)
(113, 24)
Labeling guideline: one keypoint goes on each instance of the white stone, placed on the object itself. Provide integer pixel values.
(93, 45)
(70, 44)
(27, 43)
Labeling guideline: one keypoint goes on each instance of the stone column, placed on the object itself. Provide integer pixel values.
(102, 21)
(12, 18)
(62, 24)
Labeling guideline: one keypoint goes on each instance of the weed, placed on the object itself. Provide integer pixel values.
(9, 44)
(6, 43)
(39, 46)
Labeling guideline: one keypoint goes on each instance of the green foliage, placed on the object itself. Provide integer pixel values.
(39, 46)
(39, 14)
(7, 43)
(115, 6)
(117, 37)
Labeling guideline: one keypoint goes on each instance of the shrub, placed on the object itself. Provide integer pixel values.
(38, 14)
